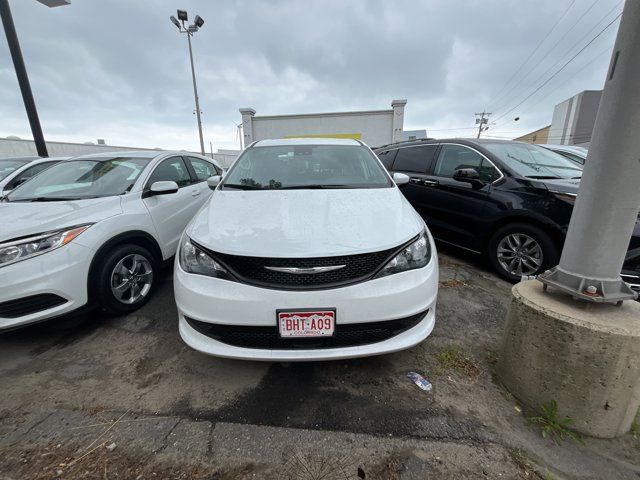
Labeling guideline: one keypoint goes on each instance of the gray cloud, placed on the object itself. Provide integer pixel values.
(119, 70)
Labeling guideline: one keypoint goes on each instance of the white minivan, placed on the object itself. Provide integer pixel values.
(307, 250)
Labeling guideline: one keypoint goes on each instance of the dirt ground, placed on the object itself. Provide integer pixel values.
(107, 398)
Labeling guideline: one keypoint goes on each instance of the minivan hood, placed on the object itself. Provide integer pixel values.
(562, 185)
(305, 223)
(19, 219)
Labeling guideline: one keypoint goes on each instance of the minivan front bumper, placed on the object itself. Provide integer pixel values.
(410, 294)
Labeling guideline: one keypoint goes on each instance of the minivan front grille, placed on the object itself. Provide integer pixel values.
(357, 268)
(345, 335)
(29, 305)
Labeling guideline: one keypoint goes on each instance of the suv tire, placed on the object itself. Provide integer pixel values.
(125, 278)
(521, 249)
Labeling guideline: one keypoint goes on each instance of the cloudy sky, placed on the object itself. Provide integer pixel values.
(118, 69)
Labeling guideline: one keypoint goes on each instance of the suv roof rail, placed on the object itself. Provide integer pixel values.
(403, 142)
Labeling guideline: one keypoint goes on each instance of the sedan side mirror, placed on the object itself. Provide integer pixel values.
(400, 179)
(164, 187)
(214, 181)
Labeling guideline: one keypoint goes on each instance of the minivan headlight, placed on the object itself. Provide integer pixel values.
(416, 255)
(194, 259)
(17, 250)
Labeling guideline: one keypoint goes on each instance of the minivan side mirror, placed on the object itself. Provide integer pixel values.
(469, 175)
(214, 181)
(163, 187)
(400, 179)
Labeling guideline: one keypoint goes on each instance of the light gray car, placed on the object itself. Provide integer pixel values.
(572, 152)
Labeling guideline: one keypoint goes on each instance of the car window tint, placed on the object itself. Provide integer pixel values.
(386, 157)
(202, 168)
(453, 157)
(172, 169)
(414, 159)
(27, 174)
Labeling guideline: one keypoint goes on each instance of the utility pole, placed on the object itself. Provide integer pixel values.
(562, 342)
(23, 79)
(606, 209)
(482, 121)
(190, 30)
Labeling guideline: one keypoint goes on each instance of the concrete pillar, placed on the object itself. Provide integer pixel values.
(585, 357)
(247, 125)
(398, 120)
(606, 208)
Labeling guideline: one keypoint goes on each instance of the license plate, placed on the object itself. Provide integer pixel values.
(306, 323)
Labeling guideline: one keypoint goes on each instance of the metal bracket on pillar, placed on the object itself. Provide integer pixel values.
(590, 289)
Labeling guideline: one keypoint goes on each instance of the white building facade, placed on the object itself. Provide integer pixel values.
(373, 127)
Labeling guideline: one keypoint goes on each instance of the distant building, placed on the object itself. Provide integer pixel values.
(18, 147)
(573, 119)
(414, 134)
(537, 136)
(373, 127)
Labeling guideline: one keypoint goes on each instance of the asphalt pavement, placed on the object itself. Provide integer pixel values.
(106, 397)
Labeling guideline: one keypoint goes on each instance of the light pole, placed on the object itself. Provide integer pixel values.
(190, 30)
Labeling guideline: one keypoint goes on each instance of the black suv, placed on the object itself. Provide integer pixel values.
(509, 200)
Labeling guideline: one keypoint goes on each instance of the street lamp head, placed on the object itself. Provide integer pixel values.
(198, 21)
(175, 21)
(182, 15)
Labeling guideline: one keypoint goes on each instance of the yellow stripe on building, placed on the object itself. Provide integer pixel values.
(354, 136)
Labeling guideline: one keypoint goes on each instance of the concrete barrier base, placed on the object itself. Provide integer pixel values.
(584, 356)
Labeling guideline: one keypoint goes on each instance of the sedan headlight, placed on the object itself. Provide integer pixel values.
(416, 255)
(23, 248)
(194, 259)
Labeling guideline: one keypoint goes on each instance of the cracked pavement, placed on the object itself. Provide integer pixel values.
(74, 386)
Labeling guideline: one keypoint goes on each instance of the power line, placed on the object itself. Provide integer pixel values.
(540, 77)
(504, 103)
(497, 95)
(561, 68)
(606, 50)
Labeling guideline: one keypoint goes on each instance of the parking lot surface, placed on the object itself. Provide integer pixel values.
(104, 397)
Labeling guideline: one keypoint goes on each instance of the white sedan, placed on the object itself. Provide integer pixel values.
(94, 230)
(307, 250)
(15, 171)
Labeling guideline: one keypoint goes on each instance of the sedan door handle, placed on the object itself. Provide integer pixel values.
(416, 180)
(430, 183)
(195, 193)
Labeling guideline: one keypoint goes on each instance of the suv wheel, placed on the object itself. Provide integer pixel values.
(521, 249)
(126, 279)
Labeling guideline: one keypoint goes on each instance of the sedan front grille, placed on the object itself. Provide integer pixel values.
(29, 305)
(254, 271)
(345, 335)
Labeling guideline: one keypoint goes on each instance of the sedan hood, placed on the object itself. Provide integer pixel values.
(19, 219)
(305, 223)
(563, 185)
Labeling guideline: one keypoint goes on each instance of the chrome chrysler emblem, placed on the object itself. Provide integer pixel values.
(305, 271)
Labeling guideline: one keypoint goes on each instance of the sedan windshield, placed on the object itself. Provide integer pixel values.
(9, 166)
(79, 179)
(534, 162)
(290, 167)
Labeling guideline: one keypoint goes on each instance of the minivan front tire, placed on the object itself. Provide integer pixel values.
(521, 249)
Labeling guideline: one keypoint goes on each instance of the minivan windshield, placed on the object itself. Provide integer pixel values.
(289, 167)
(534, 162)
(9, 166)
(80, 179)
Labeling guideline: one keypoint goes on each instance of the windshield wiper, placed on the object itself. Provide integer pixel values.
(239, 186)
(314, 186)
(48, 199)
